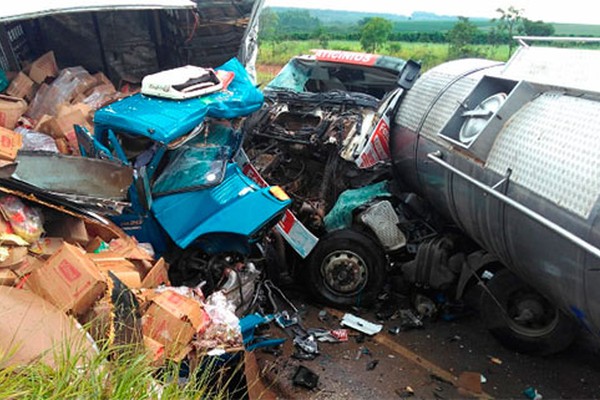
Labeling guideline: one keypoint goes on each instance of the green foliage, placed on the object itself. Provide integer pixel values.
(346, 25)
(123, 373)
(537, 28)
(374, 32)
(268, 24)
(460, 39)
(509, 23)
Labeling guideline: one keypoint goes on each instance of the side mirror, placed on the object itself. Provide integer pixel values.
(409, 74)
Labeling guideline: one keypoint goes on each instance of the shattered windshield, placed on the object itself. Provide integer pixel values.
(305, 75)
(192, 167)
(293, 76)
(200, 162)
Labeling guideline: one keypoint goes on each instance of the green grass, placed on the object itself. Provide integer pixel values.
(577, 30)
(124, 374)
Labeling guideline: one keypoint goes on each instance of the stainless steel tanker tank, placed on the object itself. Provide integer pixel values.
(511, 153)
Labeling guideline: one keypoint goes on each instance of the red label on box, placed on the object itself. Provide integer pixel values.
(68, 271)
(174, 298)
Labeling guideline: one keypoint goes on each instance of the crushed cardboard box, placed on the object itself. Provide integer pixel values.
(10, 143)
(173, 319)
(123, 269)
(46, 246)
(15, 257)
(158, 275)
(69, 280)
(70, 229)
(37, 331)
(7, 277)
(11, 109)
(21, 86)
(44, 67)
(155, 351)
(28, 265)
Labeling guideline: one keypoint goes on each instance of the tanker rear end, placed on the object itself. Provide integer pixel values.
(510, 155)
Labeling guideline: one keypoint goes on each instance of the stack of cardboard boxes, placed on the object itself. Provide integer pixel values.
(43, 99)
(74, 265)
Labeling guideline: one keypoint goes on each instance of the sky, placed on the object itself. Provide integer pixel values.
(570, 11)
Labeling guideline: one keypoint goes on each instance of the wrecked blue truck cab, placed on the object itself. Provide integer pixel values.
(187, 191)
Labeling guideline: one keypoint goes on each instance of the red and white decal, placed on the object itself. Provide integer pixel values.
(346, 57)
(293, 231)
(377, 149)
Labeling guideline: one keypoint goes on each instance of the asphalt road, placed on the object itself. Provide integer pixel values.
(427, 362)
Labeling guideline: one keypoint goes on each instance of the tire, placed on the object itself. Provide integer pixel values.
(543, 330)
(347, 268)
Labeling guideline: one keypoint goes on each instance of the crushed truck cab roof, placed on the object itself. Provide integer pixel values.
(165, 120)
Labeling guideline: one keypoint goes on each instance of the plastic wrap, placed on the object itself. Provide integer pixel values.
(224, 330)
(101, 96)
(37, 141)
(27, 222)
(70, 83)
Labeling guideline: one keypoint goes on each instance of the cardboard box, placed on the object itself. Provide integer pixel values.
(11, 109)
(102, 79)
(10, 143)
(158, 275)
(21, 86)
(172, 320)
(96, 245)
(128, 247)
(43, 67)
(42, 124)
(99, 320)
(35, 331)
(122, 269)
(71, 229)
(63, 127)
(155, 351)
(69, 280)
(16, 255)
(7, 277)
(29, 264)
(66, 109)
(47, 246)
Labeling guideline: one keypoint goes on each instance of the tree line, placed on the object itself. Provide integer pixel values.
(372, 32)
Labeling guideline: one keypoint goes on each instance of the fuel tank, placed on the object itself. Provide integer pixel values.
(510, 152)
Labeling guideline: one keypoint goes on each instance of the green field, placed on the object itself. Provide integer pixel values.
(577, 30)
(273, 55)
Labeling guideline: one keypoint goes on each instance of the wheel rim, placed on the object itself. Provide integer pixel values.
(530, 314)
(344, 272)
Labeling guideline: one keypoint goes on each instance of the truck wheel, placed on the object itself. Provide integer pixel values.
(530, 324)
(347, 268)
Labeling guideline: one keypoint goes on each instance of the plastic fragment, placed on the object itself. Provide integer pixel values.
(495, 360)
(361, 325)
(307, 343)
(532, 393)
(372, 364)
(305, 377)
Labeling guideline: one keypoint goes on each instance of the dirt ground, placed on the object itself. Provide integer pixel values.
(425, 363)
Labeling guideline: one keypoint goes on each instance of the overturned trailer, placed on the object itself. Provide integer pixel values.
(508, 153)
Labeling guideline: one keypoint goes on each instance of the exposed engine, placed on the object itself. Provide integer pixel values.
(306, 143)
